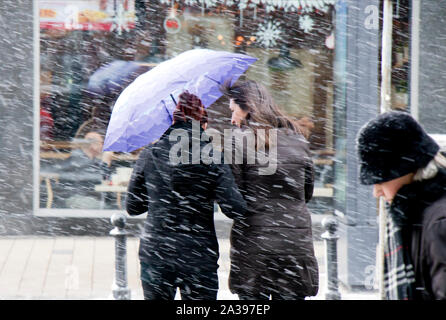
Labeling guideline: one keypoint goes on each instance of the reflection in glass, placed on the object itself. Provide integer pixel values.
(288, 39)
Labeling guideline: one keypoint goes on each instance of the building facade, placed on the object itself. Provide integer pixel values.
(319, 59)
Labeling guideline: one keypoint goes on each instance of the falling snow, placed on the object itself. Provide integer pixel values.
(320, 61)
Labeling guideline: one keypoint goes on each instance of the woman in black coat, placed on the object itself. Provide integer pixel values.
(272, 253)
(179, 246)
(405, 166)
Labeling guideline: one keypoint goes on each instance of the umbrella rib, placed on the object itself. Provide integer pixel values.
(172, 99)
(212, 79)
(168, 110)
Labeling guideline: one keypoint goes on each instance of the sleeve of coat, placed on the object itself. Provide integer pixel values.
(238, 170)
(228, 195)
(137, 197)
(436, 244)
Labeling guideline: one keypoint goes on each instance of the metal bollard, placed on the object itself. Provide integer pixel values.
(330, 224)
(120, 288)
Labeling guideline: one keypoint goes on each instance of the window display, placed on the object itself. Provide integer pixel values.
(79, 39)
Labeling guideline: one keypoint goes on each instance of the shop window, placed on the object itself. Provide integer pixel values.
(293, 41)
(76, 39)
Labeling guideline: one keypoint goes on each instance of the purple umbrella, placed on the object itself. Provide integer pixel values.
(143, 111)
(112, 78)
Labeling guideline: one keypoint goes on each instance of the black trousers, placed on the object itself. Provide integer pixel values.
(160, 282)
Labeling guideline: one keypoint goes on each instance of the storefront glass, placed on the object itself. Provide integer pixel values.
(293, 40)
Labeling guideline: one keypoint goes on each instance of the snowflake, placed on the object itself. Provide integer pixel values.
(243, 4)
(268, 34)
(294, 5)
(305, 6)
(119, 22)
(306, 23)
(255, 2)
(207, 3)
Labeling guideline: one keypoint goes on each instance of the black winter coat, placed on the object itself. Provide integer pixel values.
(180, 204)
(272, 250)
(424, 205)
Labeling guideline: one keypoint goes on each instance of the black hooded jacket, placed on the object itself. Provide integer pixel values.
(179, 199)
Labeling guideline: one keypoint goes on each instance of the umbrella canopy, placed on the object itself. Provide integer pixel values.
(112, 78)
(143, 111)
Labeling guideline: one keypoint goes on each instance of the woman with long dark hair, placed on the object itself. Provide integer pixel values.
(179, 247)
(272, 253)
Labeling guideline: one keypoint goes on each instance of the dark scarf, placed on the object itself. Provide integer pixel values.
(405, 211)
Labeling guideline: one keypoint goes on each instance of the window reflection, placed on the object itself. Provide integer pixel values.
(289, 41)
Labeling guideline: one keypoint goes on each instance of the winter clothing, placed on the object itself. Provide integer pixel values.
(272, 250)
(391, 146)
(179, 246)
(161, 280)
(419, 211)
(399, 277)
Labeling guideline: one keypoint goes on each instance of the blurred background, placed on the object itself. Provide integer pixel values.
(66, 62)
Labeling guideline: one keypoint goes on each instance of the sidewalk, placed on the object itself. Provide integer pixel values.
(82, 268)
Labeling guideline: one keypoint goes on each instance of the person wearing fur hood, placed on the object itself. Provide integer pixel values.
(405, 166)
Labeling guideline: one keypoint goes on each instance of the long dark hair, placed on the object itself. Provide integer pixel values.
(263, 112)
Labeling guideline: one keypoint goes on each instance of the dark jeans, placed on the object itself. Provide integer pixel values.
(159, 282)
